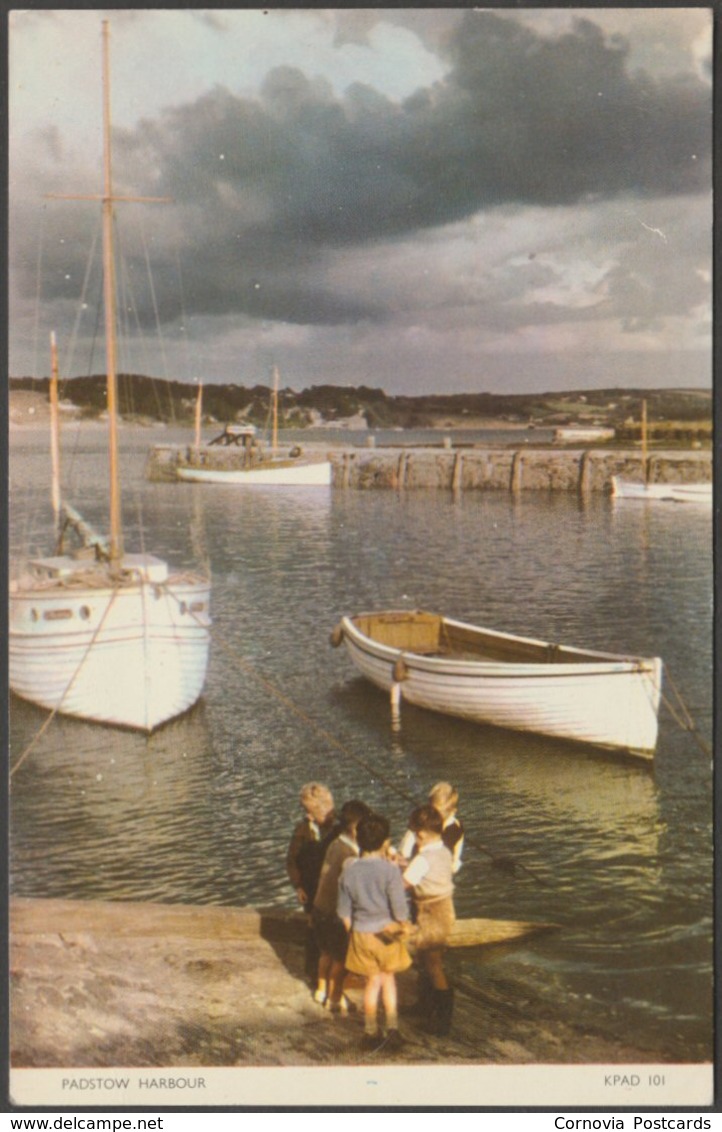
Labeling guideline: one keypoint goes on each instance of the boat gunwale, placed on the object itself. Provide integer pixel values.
(591, 662)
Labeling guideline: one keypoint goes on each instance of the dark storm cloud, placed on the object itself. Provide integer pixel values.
(519, 118)
(269, 188)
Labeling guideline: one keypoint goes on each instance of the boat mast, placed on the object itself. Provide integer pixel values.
(54, 430)
(115, 534)
(274, 441)
(199, 411)
(644, 441)
(107, 199)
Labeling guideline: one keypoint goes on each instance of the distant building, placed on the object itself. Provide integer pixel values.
(576, 434)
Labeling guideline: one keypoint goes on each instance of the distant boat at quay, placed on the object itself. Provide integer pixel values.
(279, 469)
(663, 492)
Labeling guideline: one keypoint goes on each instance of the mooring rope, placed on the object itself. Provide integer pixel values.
(507, 864)
(686, 723)
(41, 731)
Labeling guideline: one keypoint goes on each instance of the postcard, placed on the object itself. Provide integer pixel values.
(360, 557)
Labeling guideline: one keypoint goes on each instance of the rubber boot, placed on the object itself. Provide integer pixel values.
(422, 1008)
(443, 1009)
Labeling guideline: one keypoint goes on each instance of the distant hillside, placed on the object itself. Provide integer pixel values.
(174, 402)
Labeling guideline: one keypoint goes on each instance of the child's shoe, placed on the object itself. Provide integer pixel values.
(370, 1043)
(392, 1041)
(319, 996)
(344, 1006)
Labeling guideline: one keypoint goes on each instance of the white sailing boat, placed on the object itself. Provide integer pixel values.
(668, 492)
(102, 634)
(278, 469)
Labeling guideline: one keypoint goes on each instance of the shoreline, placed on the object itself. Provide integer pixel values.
(100, 984)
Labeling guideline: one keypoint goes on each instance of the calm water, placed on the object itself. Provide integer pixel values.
(201, 812)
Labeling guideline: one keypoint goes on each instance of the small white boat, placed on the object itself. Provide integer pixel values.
(272, 472)
(692, 493)
(667, 492)
(601, 699)
(277, 469)
(664, 492)
(98, 633)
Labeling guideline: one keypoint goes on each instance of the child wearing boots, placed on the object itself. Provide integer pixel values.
(331, 935)
(372, 905)
(430, 876)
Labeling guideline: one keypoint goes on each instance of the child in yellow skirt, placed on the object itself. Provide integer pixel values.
(372, 904)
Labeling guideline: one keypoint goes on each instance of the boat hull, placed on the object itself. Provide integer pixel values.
(291, 474)
(132, 657)
(593, 698)
(667, 492)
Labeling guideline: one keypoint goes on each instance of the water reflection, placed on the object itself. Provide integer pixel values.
(104, 812)
(618, 854)
(601, 793)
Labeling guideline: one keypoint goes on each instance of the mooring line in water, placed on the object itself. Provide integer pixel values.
(506, 864)
(686, 723)
(41, 731)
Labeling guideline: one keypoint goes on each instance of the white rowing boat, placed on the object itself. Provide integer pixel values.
(601, 699)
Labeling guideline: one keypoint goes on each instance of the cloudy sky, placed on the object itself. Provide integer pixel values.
(423, 200)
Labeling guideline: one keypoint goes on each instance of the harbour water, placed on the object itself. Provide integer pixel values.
(617, 853)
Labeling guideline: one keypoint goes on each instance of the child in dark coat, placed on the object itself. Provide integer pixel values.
(331, 935)
(306, 851)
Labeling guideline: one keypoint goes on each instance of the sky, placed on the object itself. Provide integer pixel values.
(420, 200)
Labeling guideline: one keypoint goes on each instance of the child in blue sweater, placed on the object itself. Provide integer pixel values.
(372, 904)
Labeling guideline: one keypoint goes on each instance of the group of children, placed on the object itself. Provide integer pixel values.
(367, 902)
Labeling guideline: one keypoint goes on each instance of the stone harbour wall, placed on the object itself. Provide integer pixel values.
(510, 469)
(465, 469)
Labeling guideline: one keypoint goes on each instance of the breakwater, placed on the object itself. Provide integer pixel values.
(461, 469)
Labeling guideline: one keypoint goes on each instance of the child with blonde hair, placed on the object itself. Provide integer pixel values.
(430, 876)
(445, 798)
(304, 859)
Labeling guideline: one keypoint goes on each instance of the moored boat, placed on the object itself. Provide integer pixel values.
(278, 469)
(600, 699)
(273, 472)
(663, 492)
(96, 632)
